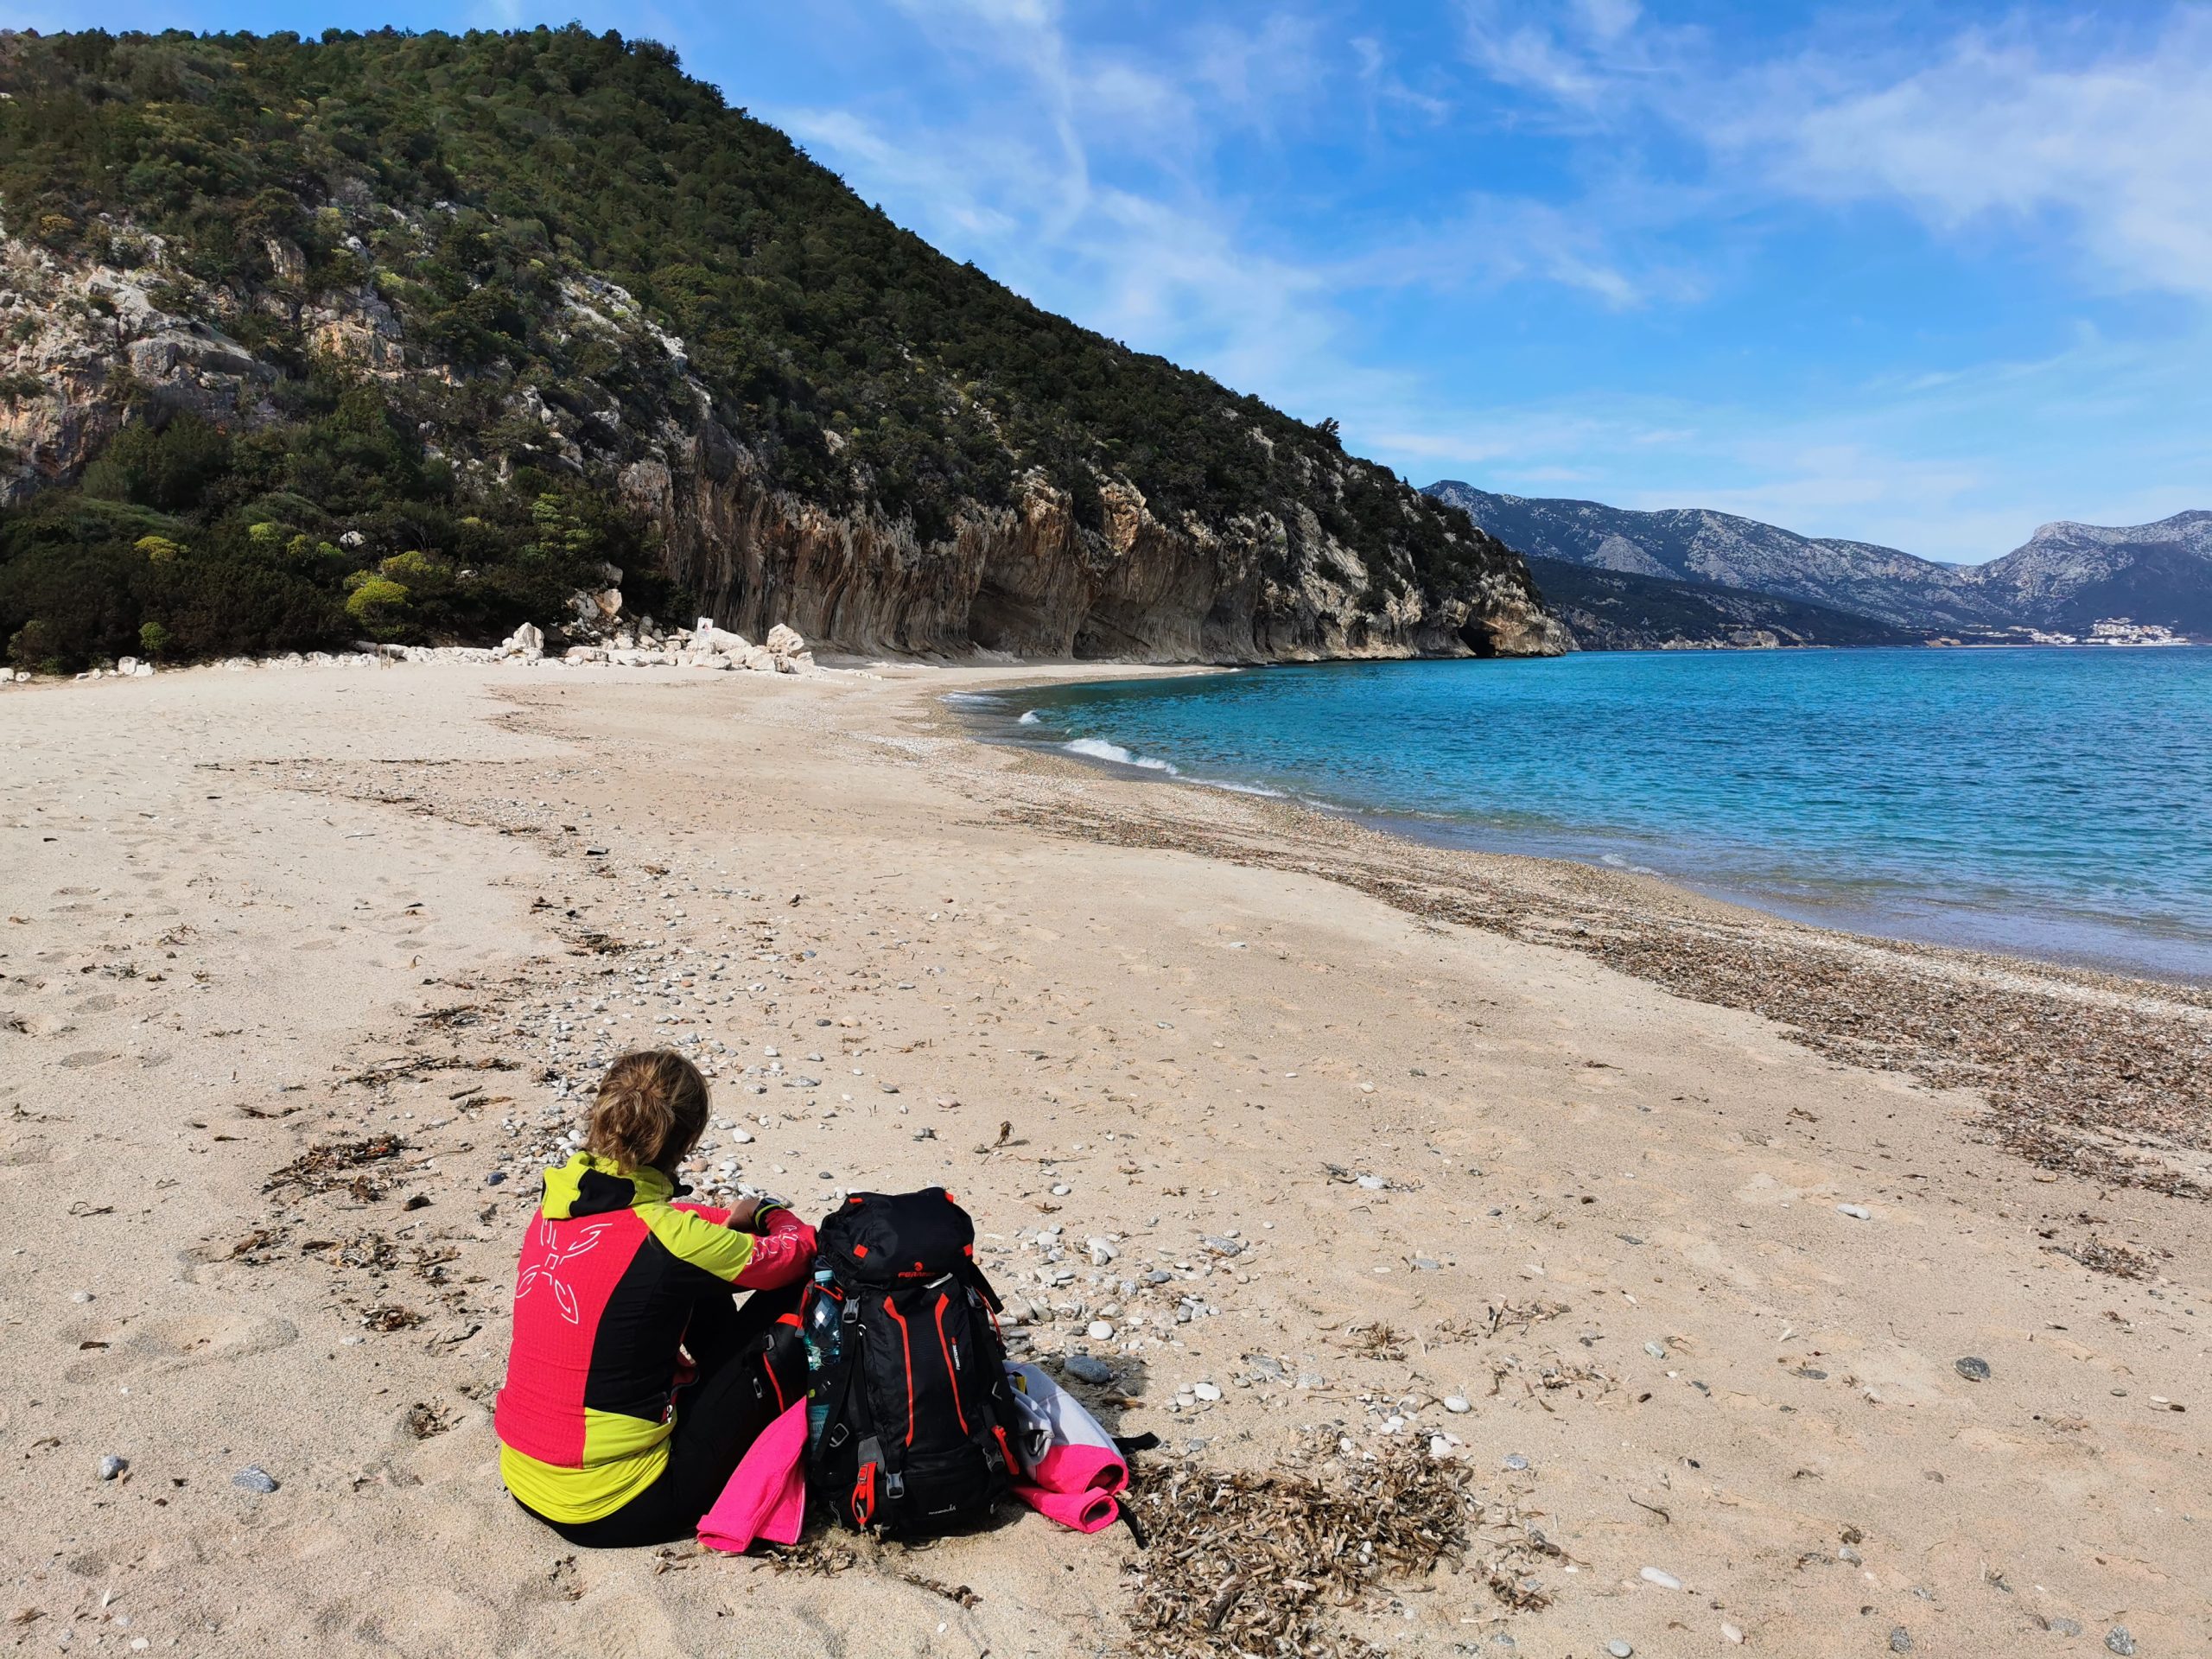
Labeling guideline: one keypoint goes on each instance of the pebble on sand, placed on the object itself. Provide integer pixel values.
(2120, 1641)
(1664, 1579)
(1084, 1368)
(254, 1479)
(111, 1465)
(1900, 1640)
(1618, 1649)
(1456, 1404)
(1856, 1212)
(1974, 1370)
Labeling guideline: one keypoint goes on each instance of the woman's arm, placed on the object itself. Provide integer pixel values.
(783, 1255)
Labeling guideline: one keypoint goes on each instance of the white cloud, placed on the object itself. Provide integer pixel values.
(2076, 127)
(2117, 150)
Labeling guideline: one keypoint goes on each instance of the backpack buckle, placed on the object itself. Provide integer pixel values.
(893, 1485)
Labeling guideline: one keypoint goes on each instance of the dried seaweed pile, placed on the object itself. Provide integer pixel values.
(337, 1163)
(1243, 1563)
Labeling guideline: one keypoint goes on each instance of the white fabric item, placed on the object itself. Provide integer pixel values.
(1067, 1425)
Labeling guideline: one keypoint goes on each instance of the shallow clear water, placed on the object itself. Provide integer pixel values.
(2052, 803)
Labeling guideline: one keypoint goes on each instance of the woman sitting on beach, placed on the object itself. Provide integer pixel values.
(635, 1383)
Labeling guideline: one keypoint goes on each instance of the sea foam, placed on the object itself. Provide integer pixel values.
(1029, 719)
(1098, 749)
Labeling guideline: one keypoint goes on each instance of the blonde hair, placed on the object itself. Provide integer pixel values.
(651, 1110)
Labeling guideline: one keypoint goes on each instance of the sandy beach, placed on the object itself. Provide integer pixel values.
(1673, 1223)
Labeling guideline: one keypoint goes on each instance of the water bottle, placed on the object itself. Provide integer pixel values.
(825, 1333)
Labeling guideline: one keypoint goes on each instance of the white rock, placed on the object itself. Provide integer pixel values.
(526, 641)
(1206, 1390)
(1099, 1331)
(1665, 1580)
(126, 664)
(708, 637)
(1456, 1404)
(1856, 1212)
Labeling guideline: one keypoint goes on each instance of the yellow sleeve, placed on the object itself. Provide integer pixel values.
(709, 1246)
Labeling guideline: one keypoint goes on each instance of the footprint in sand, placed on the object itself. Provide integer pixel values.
(31, 1149)
(86, 1058)
(175, 1344)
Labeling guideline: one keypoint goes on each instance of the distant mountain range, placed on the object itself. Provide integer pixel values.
(1617, 610)
(2064, 578)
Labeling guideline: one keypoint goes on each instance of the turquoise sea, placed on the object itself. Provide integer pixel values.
(2049, 802)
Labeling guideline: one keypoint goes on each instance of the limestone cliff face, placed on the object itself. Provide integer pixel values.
(90, 344)
(1030, 583)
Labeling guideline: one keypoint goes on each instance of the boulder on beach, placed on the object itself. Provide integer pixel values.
(708, 637)
(788, 649)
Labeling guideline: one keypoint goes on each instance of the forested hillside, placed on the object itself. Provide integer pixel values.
(412, 336)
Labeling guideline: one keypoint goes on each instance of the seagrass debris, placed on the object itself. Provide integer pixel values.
(339, 1163)
(1279, 1562)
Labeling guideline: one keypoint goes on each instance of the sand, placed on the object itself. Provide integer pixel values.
(1515, 1134)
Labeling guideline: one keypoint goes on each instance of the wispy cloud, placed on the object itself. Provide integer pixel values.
(2113, 152)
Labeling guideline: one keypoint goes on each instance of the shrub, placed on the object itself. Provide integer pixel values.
(377, 603)
(33, 649)
(225, 606)
(170, 467)
(153, 640)
(417, 572)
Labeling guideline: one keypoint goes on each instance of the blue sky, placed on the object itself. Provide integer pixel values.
(1925, 275)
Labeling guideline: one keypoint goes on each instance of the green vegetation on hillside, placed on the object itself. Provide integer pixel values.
(467, 178)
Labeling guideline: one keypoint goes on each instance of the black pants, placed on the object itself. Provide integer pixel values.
(718, 1416)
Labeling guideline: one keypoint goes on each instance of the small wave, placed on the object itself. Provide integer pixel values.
(1098, 749)
(983, 698)
(1029, 719)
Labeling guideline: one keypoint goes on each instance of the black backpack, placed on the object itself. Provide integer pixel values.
(916, 1440)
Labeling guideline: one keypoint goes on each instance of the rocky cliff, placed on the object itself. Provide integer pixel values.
(422, 307)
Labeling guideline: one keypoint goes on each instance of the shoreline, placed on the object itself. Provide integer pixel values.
(1698, 1279)
(2052, 936)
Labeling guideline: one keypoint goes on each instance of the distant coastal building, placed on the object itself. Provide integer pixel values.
(2106, 630)
(2125, 630)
